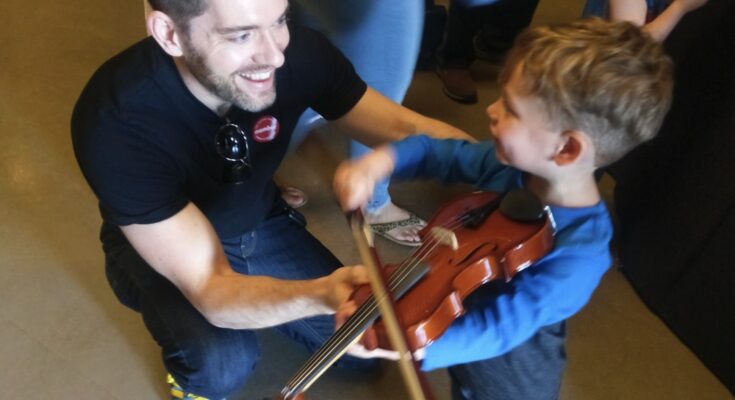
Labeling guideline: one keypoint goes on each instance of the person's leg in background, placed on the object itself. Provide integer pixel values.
(457, 54)
(503, 22)
(382, 39)
(486, 31)
(596, 8)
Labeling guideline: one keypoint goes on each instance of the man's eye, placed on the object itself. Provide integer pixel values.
(282, 21)
(240, 38)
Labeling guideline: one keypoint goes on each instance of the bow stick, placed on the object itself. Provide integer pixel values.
(416, 382)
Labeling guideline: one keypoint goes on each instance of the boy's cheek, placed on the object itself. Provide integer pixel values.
(500, 155)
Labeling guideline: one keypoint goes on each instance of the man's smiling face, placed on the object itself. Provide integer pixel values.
(234, 48)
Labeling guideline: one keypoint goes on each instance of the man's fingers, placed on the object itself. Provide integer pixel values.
(360, 275)
(344, 312)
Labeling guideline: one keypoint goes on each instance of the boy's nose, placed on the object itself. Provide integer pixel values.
(492, 112)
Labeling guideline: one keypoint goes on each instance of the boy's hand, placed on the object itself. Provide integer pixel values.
(352, 185)
(354, 180)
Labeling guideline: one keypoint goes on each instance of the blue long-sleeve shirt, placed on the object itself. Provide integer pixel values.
(553, 289)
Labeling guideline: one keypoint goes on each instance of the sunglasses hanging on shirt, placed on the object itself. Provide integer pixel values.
(232, 145)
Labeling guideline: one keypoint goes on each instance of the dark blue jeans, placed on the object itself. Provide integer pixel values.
(531, 371)
(204, 359)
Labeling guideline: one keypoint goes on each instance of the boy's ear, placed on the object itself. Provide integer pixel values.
(163, 30)
(570, 150)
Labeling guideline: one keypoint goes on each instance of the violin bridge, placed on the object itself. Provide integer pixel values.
(445, 236)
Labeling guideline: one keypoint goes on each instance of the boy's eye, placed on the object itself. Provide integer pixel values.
(508, 108)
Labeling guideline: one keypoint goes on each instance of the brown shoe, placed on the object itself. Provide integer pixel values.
(458, 85)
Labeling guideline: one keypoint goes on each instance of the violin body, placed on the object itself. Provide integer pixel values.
(498, 248)
(432, 284)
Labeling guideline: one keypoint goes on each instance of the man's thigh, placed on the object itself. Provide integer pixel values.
(203, 359)
(281, 248)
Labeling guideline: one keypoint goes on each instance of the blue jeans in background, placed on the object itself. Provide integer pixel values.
(382, 40)
(204, 359)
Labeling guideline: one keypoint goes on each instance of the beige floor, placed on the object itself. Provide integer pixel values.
(64, 336)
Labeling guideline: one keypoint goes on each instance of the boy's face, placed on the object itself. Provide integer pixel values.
(234, 48)
(519, 128)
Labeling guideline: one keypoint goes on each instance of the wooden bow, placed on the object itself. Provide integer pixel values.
(415, 380)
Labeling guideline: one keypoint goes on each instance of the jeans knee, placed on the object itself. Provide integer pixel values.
(217, 370)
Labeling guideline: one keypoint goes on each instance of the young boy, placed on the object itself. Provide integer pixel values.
(575, 97)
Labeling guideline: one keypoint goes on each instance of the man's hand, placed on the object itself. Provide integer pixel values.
(354, 180)
(340, 284)
(368, 340)
(376, 120)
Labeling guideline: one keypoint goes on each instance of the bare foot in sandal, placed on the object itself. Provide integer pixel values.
(396, 224)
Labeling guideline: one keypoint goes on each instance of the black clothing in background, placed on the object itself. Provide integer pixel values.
(675, 197)
(493, 27)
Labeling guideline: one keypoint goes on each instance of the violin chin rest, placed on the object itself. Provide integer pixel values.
(522, 205)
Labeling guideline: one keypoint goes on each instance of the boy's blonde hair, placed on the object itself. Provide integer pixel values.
(608, 79)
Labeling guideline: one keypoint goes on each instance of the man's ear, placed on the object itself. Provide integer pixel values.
(573, 144)
(163, 30)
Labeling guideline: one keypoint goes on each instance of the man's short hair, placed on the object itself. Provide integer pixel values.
(610, 80)
(180, 11)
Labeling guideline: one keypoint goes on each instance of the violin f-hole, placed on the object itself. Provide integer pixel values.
(485, 249)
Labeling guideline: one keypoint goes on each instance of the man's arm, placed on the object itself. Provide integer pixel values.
(186, 250)
(376, 120)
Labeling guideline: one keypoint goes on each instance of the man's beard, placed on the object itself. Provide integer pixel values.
(224, 87)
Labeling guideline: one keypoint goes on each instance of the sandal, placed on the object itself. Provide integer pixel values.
(382, 229)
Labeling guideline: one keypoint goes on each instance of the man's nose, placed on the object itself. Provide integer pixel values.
(270, 52)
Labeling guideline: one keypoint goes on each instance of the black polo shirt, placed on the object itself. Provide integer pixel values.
(146, 145)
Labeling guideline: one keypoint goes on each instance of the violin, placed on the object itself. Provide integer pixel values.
(475, 239)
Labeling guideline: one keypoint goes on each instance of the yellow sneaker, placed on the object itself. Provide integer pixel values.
(178, 393)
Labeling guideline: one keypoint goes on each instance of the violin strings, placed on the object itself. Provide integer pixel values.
(364, 314)
(366, 311)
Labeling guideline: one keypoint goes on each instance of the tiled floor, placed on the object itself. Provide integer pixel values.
(64, 336)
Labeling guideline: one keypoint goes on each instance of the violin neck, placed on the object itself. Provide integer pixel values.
(400, 281)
